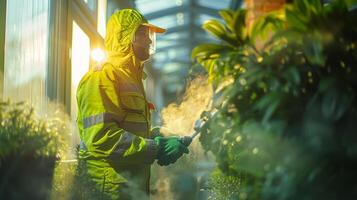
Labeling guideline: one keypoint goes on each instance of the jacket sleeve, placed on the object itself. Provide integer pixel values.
(101, 127)
(125, 147)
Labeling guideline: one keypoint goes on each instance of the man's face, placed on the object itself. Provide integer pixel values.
(141, 43)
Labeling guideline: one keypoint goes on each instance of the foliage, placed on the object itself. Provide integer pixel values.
(28, 150)
(286, 100)
(71, 181)
(21, 133)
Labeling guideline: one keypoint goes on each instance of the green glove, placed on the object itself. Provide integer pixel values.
(173, 146)
(155, 132)
(170, 149)
(160, 141)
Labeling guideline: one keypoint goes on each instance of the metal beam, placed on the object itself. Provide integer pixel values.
(177, 61)
(191, 8)
(185, 44)
(2, 44)
(200, 32)
(183, 28)
(114, 5)
(165, 12)
(58, 54)
(235, 4)
(192, 17)
(205, 10)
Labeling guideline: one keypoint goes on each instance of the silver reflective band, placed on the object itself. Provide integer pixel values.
(82, 146)
(108, 118)
(124, 143)
(99, 118)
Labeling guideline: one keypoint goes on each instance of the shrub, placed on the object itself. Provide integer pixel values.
(287, 109)
(28, 151)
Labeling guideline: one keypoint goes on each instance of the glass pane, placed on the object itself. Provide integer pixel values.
(26, 51)
(171, 21)
(79, 62)
(219, 5)
(148, 6)
(91, 4)
(101, 18)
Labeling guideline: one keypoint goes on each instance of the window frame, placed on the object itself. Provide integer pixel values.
(79, 12)
(2, 44)
(63, 13)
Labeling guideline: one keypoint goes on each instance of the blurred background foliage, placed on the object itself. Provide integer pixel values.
(286, 99)
(29, 149)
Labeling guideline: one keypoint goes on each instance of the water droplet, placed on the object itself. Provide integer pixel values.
(255, 150)
(225, 142)
(238, 138)
(242, 81)
(237, 66)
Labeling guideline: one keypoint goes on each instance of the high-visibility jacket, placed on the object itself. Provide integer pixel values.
(113, 112)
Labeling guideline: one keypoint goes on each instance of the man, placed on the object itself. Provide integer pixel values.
(117, 145)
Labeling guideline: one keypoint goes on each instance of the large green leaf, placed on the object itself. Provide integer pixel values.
(267, 24)
(294, 20)
(239, 25)
(206, 50)
(292, 75)
(336, 98)
(218, 30)
(235, 22)
(228, 17)
(313, 49)
(286, 36)
(268, 104)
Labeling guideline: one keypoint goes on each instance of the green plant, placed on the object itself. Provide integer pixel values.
(287, 107)
(28, 150)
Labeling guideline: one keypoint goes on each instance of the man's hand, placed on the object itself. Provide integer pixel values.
(170, 149)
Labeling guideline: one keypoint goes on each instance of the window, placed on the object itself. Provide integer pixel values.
(26, 51)
(91, 4)
(101, 17)
(79, 62)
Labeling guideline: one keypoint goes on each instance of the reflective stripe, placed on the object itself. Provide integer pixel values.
(108, 117)
(99, 118)
(125, 141)
(129, 88)
(82, 146)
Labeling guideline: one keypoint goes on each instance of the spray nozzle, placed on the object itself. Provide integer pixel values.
(205, 116)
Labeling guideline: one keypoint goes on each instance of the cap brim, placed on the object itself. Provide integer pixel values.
(154, 28)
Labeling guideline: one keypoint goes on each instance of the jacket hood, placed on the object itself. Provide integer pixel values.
(121, 29)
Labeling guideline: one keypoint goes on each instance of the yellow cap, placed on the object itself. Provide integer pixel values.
(154, 28)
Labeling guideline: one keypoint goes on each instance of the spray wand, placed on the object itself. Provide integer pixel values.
(205, 116)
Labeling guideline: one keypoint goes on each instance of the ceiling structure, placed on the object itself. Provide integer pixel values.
(183, 20)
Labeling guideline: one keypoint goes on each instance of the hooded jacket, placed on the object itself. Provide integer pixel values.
(113, 114)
